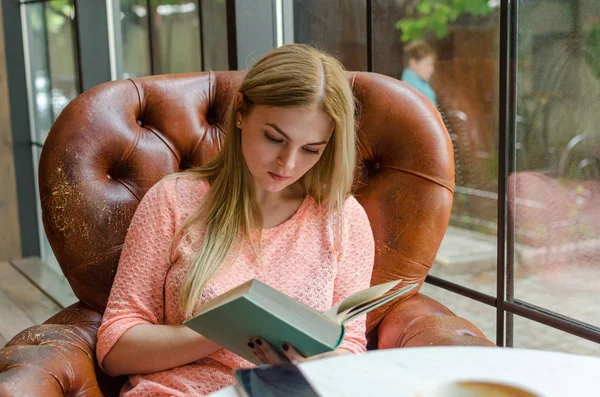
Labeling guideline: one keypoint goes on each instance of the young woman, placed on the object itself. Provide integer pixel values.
(420, 65)
(274, 205)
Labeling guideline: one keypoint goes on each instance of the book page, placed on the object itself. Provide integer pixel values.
(339, 311)
(375, 303)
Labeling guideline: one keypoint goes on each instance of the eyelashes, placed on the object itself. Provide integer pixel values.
(276, 141)
(310, 151)
(270, 138)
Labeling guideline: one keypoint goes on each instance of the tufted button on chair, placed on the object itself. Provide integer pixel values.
(112, 143)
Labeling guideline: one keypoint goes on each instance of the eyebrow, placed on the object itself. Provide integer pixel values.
(275, 127)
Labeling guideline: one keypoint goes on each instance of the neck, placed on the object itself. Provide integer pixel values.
(267, 199)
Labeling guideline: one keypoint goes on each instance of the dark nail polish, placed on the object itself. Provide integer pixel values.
(251, 345)
(285, 347)
(258, 342)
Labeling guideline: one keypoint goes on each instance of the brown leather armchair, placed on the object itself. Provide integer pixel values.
(112, 143)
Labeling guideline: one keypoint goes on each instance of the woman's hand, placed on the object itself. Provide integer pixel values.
(267, 355)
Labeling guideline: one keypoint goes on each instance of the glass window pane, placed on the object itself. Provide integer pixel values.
(387, 44)
(533, 335)
(481, 315)
(572, 293)
(53, 79)
(52, 61)
(214, 29)
(62, 53)
(557, 179)
(335, 26)
(131, 37)
(39, 70)
(176, 36)
(176, 45)
(455, 64)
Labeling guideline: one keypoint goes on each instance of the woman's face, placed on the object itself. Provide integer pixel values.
(424, 67)
(281, 144)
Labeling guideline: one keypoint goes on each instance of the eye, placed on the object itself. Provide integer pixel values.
(272, 139)
(311, 151)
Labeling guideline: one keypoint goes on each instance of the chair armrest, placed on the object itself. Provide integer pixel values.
(422, 321)
(56, 358)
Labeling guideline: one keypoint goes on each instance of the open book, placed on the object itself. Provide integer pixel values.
(254, 309)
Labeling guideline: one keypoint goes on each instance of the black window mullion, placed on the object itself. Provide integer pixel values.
(461, 290)
(77, 46)
(201, 32)
(370, 59)
(231, 35)
(523, 309)
(150, 38)
(511, 165)
(504, 115)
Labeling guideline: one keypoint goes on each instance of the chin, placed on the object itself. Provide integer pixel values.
(274, 187)
(271, 189)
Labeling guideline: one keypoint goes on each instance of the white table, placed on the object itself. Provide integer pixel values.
(405, 372)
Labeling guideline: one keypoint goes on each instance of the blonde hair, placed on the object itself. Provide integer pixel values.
(296, 76)
(417, 50)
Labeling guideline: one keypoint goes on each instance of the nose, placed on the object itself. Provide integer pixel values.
(287, 159)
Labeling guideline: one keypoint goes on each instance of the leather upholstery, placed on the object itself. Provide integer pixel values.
(112, 143)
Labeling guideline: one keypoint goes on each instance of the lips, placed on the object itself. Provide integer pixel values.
(277, 177)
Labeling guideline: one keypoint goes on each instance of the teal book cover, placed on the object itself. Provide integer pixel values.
(256, 310)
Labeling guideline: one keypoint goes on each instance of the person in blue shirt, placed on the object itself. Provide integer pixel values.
(420, 64)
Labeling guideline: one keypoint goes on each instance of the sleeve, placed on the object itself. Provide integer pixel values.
(137, 294)
(355, 267)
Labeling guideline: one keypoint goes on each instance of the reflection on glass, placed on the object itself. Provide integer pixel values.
(453, 61)
(41, 95)
(51, 56)
(214, 30)
(176, 32)
(176, 36)
(481, 315)
(131, 36)
(533, 335)
(557, 180)
(61, 53)
(336, 26)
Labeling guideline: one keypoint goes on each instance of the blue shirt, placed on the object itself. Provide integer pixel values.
(421, 85)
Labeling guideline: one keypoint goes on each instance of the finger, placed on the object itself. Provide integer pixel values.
(257, 352)
(266, 348)
(322, 355)
(292, 354)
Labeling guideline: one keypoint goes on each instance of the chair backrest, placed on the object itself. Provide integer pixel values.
(112, 143)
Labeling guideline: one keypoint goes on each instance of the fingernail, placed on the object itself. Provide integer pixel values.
(258, 342)
(251, 345)
(285, 347)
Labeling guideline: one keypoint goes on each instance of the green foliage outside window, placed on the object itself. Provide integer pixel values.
(435, 16)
